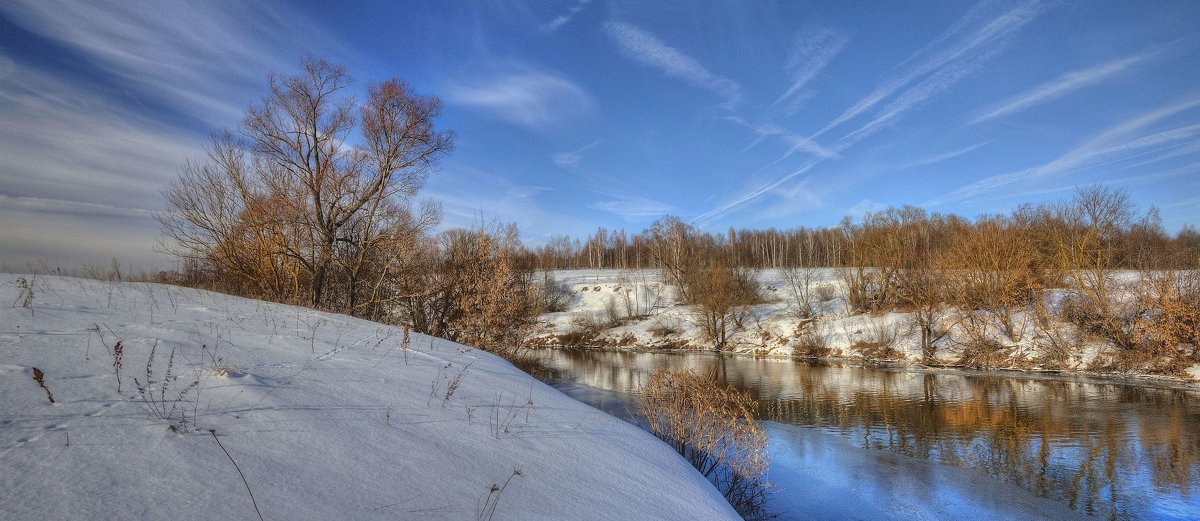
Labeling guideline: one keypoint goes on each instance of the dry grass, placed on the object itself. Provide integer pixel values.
(810, 343)
(713, 427)
(877, 341)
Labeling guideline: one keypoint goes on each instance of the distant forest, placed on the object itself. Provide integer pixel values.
(1134, 241)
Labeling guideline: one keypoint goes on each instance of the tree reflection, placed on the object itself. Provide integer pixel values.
(1105, 449)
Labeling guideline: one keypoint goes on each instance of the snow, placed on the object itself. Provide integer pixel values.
(327, 417)
(772, 328)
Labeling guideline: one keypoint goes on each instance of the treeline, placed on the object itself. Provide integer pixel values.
(980, 285)
(1142, 243)
(310, 200)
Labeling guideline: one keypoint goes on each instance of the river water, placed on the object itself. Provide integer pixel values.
(851, 441)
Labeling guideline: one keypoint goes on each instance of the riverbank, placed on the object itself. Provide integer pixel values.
(635, 310)
(146, 401)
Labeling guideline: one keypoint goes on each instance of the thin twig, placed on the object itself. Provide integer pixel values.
(239, 470)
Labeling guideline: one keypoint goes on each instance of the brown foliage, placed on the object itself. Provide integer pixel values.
(286, 209)
(992, 270)
(724, 295)
(475, 287)
(713, 427)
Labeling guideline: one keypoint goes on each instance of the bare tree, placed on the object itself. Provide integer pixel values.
(1087, 246)
(292, 184)
(991, 267)
(724, 295)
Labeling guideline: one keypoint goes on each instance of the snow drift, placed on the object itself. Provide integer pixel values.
(325, 416)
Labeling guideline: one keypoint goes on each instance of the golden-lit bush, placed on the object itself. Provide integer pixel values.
(713, 427)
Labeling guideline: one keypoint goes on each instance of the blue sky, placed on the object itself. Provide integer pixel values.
(577, 114)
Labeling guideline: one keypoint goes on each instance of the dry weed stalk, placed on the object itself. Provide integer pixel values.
(239, 471)
(118, 352)
(158, 403)
(454, 383)
(25, 292)
(40, 378)
(713, 427)
(493, 496)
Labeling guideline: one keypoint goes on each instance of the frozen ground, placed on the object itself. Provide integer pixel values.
(327, 417)
(651, 317)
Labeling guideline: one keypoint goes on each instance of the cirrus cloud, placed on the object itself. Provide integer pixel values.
(524, 96)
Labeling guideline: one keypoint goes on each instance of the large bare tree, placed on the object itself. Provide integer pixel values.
(295, 201)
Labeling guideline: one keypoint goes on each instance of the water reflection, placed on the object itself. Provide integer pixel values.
(1104, 449)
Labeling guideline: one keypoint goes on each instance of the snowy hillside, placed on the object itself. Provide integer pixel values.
(635, 309)
(326, 416)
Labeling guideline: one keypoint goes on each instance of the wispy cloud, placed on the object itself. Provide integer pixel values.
(197, 58)
(811, 53)
(1193, 202)
(573, 157)
(928, 88)
(522, 95)
(641, 46)
(755, 193)
(862, 207)
(88, 146)
(944, 156)
(92, 198)
(633, 207)
(981, 34)
(565, 18)
(795, 142)
(471, 196)
(1061, 86)
(987, 26)
(1125, 141)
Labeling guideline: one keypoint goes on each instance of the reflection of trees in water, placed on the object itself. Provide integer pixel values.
(1082, 443)
(1104, 449)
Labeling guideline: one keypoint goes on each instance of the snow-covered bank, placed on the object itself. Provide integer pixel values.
(327, 417)
(635, 309)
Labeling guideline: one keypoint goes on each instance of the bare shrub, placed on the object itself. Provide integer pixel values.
(613, 314)
(25, 292)
(976, 332)
(876, 341)
(474, 287)
(581, 332)
(724, 296)
(556, 295)
(992, 268)
(1056, 345)
(859, 283)
(713, 427)
(798, 284)
(985, 353)
(664, 328)
(810, 343)
(1087, 246)
(826, 292)
(1166, 329)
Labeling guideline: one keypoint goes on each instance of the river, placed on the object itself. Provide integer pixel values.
(851, 441)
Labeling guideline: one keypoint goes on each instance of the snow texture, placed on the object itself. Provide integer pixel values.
(327, 417)
(647, 308)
